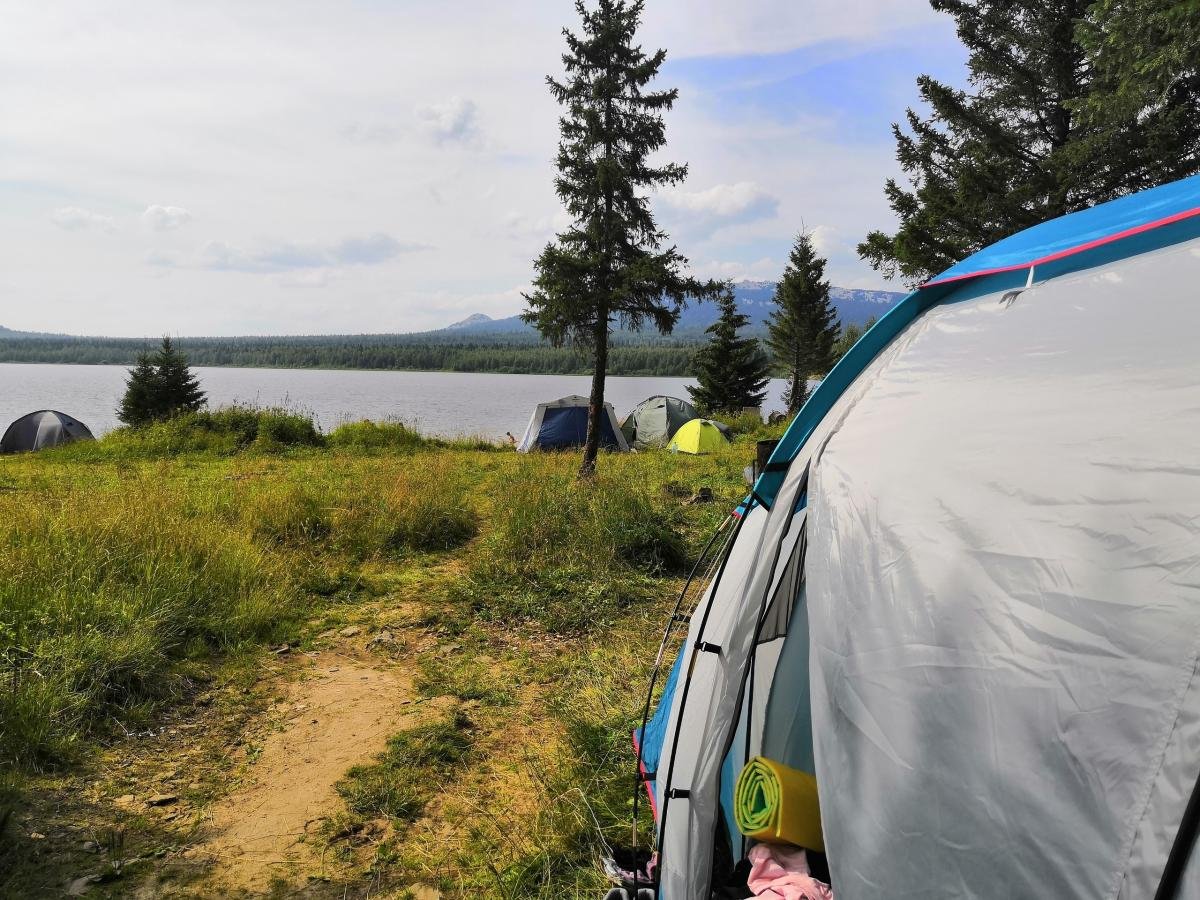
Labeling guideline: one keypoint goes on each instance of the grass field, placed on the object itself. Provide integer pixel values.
(147, 574)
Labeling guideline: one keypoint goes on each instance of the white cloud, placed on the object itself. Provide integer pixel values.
(454, 122)
(520, 227)
(162, 260)
(765, 269)
(368, 250)
(371, 249)
(720, 206)
(721, 28)
(76, 218)
(827, 240)
(308, 278)
(371, 133)
(165, 218)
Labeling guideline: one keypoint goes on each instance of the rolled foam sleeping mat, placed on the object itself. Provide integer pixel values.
(777, 804)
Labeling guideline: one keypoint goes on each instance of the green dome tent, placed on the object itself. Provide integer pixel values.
(654, 421)
(42, 429)
(963, 594)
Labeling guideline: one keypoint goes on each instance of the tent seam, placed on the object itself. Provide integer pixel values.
(1186, 676)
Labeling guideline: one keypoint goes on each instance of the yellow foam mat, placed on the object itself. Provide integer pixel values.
(777, 804)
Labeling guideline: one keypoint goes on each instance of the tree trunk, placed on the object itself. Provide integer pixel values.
(591, 447)
(797, 388)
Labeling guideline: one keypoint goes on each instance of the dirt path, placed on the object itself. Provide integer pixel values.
(339, 713)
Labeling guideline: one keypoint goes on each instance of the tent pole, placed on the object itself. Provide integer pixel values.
(686, 687)
(637, 783)
(1181, 849)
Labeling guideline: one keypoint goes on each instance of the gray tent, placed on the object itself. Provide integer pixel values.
(42, 429)
(965, 592)
(654, 421)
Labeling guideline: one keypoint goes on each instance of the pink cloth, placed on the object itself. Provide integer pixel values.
(781, 873)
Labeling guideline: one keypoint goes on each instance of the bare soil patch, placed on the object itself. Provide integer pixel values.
(339, 713)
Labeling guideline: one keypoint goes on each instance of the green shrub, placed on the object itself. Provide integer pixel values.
(368, 435)
(223, 431)
(750, 427)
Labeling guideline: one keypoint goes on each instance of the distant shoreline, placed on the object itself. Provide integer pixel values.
(300, 368)
(629, 355)
(580, 374)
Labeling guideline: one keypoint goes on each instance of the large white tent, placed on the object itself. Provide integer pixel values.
(965, 594)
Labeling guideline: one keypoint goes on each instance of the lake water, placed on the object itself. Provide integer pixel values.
(440, 403)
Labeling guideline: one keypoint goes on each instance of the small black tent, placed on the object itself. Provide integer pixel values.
(42, 429)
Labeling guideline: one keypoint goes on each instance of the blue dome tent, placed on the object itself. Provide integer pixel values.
(964, 593)
(560, 424)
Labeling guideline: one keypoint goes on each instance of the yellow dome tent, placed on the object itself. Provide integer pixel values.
(697, 436)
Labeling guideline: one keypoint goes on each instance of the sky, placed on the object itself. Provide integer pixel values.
(301, 167)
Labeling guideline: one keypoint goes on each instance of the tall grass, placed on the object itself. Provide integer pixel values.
(113, 568)
(398, 436)
(413, 504)
(99, 594)
(368, 435)
(570, 554)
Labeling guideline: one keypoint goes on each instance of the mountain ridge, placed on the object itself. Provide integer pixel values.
(756, 299)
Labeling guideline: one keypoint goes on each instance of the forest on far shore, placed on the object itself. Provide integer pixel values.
(502, 353)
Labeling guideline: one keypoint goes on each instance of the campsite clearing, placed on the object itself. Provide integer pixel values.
(466, 623)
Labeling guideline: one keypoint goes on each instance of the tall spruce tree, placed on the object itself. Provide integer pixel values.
(179, 389)
(804, 326)
(159, 386)
(1014, 148)
(731, 371)
(611, 264)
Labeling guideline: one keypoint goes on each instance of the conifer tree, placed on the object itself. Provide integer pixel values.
(159, 386)
(849, 336)
(1144, 56)
(611, 265)
(138, 405)
(804, 326)
(1014, 148)
(179, 389)
(731, 371)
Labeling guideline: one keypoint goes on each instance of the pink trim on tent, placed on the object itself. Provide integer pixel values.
(1063, 254)
(637, 750)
